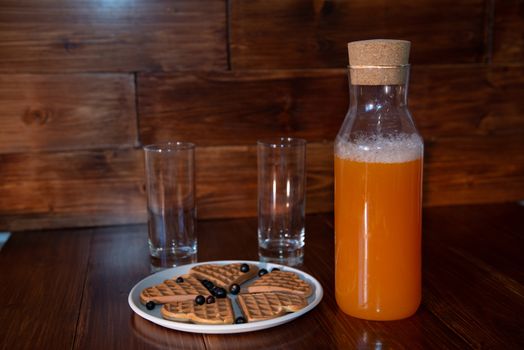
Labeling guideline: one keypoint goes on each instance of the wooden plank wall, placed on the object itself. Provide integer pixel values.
(83, 85)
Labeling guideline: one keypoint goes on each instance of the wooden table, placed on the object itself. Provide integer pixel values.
(68, 289)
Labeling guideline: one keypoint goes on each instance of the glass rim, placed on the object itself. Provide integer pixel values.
(169, 146)
(282, 142)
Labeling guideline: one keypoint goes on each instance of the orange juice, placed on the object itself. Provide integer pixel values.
(378, 231)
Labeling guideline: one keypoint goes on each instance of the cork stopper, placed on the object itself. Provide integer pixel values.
(378, 62)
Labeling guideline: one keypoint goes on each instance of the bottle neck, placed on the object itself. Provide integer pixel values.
(378, 104)
(377, 97)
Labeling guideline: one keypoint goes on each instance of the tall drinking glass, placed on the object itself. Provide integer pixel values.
(281, 200)
(170, 184)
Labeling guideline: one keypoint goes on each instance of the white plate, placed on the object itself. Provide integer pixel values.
(155, 317)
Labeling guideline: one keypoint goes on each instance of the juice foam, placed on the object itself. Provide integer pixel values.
(381, 149)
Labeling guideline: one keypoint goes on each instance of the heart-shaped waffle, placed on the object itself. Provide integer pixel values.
(263, 306)
(281, 281)
(219, 312)
(223, 275)
(171, 291)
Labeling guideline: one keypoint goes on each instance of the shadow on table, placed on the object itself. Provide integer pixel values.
(298, 334)
(163, 338)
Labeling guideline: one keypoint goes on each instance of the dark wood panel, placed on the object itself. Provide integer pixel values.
(314, 34)
(92, 188)
(227, 180)
(64, 112)
(479, 169)
(42, 280)
(458, 170)
(469, 169)
(508, 40)
(106, 187)
(120, 255)
(237, 108)
(56, 36)
(84, 188)
(468, 101)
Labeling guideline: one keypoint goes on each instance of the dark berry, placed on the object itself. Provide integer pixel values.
(240, 319)
(234, 289)
(208, 284)
(244, 268)
(275, 269)
(200, 300)
(179, 280)
(210, 299)
(262, 272)
(150, 305)
(219, 292)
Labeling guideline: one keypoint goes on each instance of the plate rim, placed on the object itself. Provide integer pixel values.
(317, 296)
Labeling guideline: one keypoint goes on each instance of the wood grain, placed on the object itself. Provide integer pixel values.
(119, 259)
(82, 188)
(505, 224)
(480, 256)
(328, 327)
(107, 187)
(508, 41)
(237, 108)
(66, 112)
(470, 117)
(314, 33)
(227, 180)
(228, 108)
(473, 293)
(474, 170)
(42, 279)
(468, 101)
(463, 268)
(457, 171)
(112, 36)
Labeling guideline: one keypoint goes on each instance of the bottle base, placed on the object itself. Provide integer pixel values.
(382, 315)
(368, 317)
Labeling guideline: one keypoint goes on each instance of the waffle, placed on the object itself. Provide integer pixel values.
(171, 291)
(219, 312)
(263, 306)
(281, 281)
(223, 275)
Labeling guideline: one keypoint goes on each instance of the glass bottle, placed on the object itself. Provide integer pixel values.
(378, 188)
